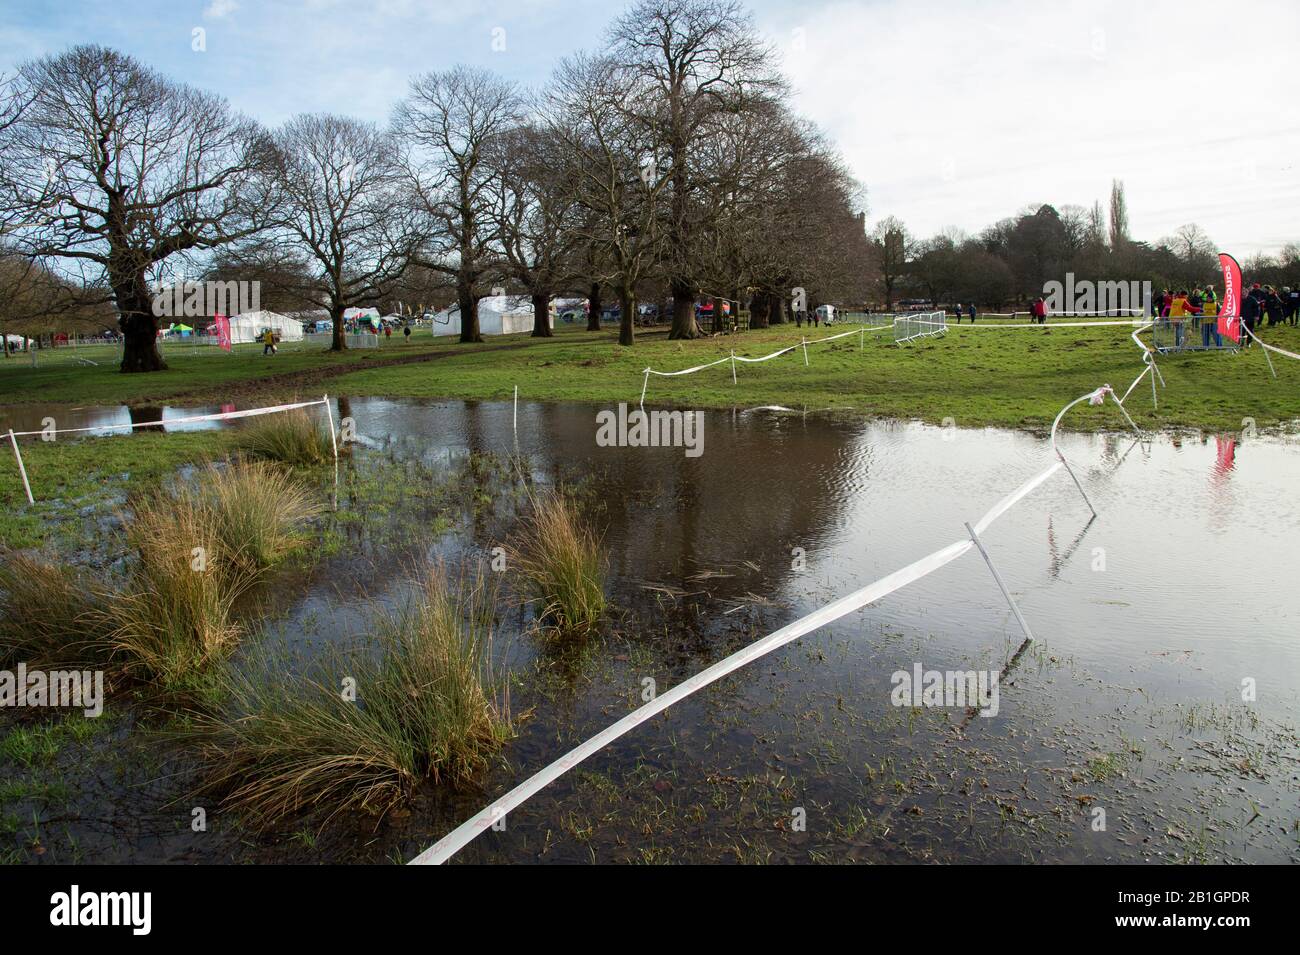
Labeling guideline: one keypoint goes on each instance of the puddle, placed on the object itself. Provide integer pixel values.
(1149, 621)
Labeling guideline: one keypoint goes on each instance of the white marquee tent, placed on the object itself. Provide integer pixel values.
(497, 315)
(249, 325)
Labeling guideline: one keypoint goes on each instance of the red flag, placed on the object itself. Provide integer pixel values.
(1230, 313)
(222, 325)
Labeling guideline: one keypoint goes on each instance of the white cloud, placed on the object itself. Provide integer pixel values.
(958, 115)
(219, 9)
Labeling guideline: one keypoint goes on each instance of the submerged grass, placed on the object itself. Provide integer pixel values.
(53, 615)
(424, 707)
(73, 478)
(290, 437)
(199, 548)
(254, 510)
(559, 557)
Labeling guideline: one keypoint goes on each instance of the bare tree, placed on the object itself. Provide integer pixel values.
(339, 192)
(689, 61)
(37, 302)
(588, 110)
(535, 214)
(112, 169)
(746, 157)
(448, 121)
(13, 103)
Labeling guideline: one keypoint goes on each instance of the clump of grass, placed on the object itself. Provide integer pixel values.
(254, 510)
(52, 615)
(290, 437)
(174, 618)
(560, 559)
(424, 708)
(198, 549)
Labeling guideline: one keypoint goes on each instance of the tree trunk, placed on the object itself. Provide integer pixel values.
(627, 321)
(593, 308)
(139, 326)
(758, 310)
(684, 324)
(339, 341)
(542, 315)
(468, 312)
(776, 309)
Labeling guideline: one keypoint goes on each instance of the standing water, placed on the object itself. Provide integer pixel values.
(1151, 719)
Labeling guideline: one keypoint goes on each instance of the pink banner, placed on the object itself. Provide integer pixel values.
(222, 326)
(1230, 313)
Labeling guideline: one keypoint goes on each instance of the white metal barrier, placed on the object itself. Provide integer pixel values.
(908, 328)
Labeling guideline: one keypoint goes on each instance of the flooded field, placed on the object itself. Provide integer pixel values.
(1152, 720)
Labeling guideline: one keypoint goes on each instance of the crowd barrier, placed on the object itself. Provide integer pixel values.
(49, 434)
(733, 357)
(909, 328)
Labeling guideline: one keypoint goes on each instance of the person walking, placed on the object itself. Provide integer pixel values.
(970, 310)
(1040, 310)
(406, 333)
(268, 342)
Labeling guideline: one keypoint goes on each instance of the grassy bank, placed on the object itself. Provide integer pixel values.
(75, 478)
(976, 377)
(202, 373)
(1018, 377)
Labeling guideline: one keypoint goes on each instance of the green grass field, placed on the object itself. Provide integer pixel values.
(75, 482)
(202, 373)
(1016, 378)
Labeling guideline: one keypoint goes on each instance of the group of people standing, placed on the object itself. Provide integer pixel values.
(1184, 303)
(1266, 302)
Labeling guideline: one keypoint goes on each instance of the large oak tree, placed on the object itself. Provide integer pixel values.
(111, 169)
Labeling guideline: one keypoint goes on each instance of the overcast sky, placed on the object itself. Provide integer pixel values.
(952, 114)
